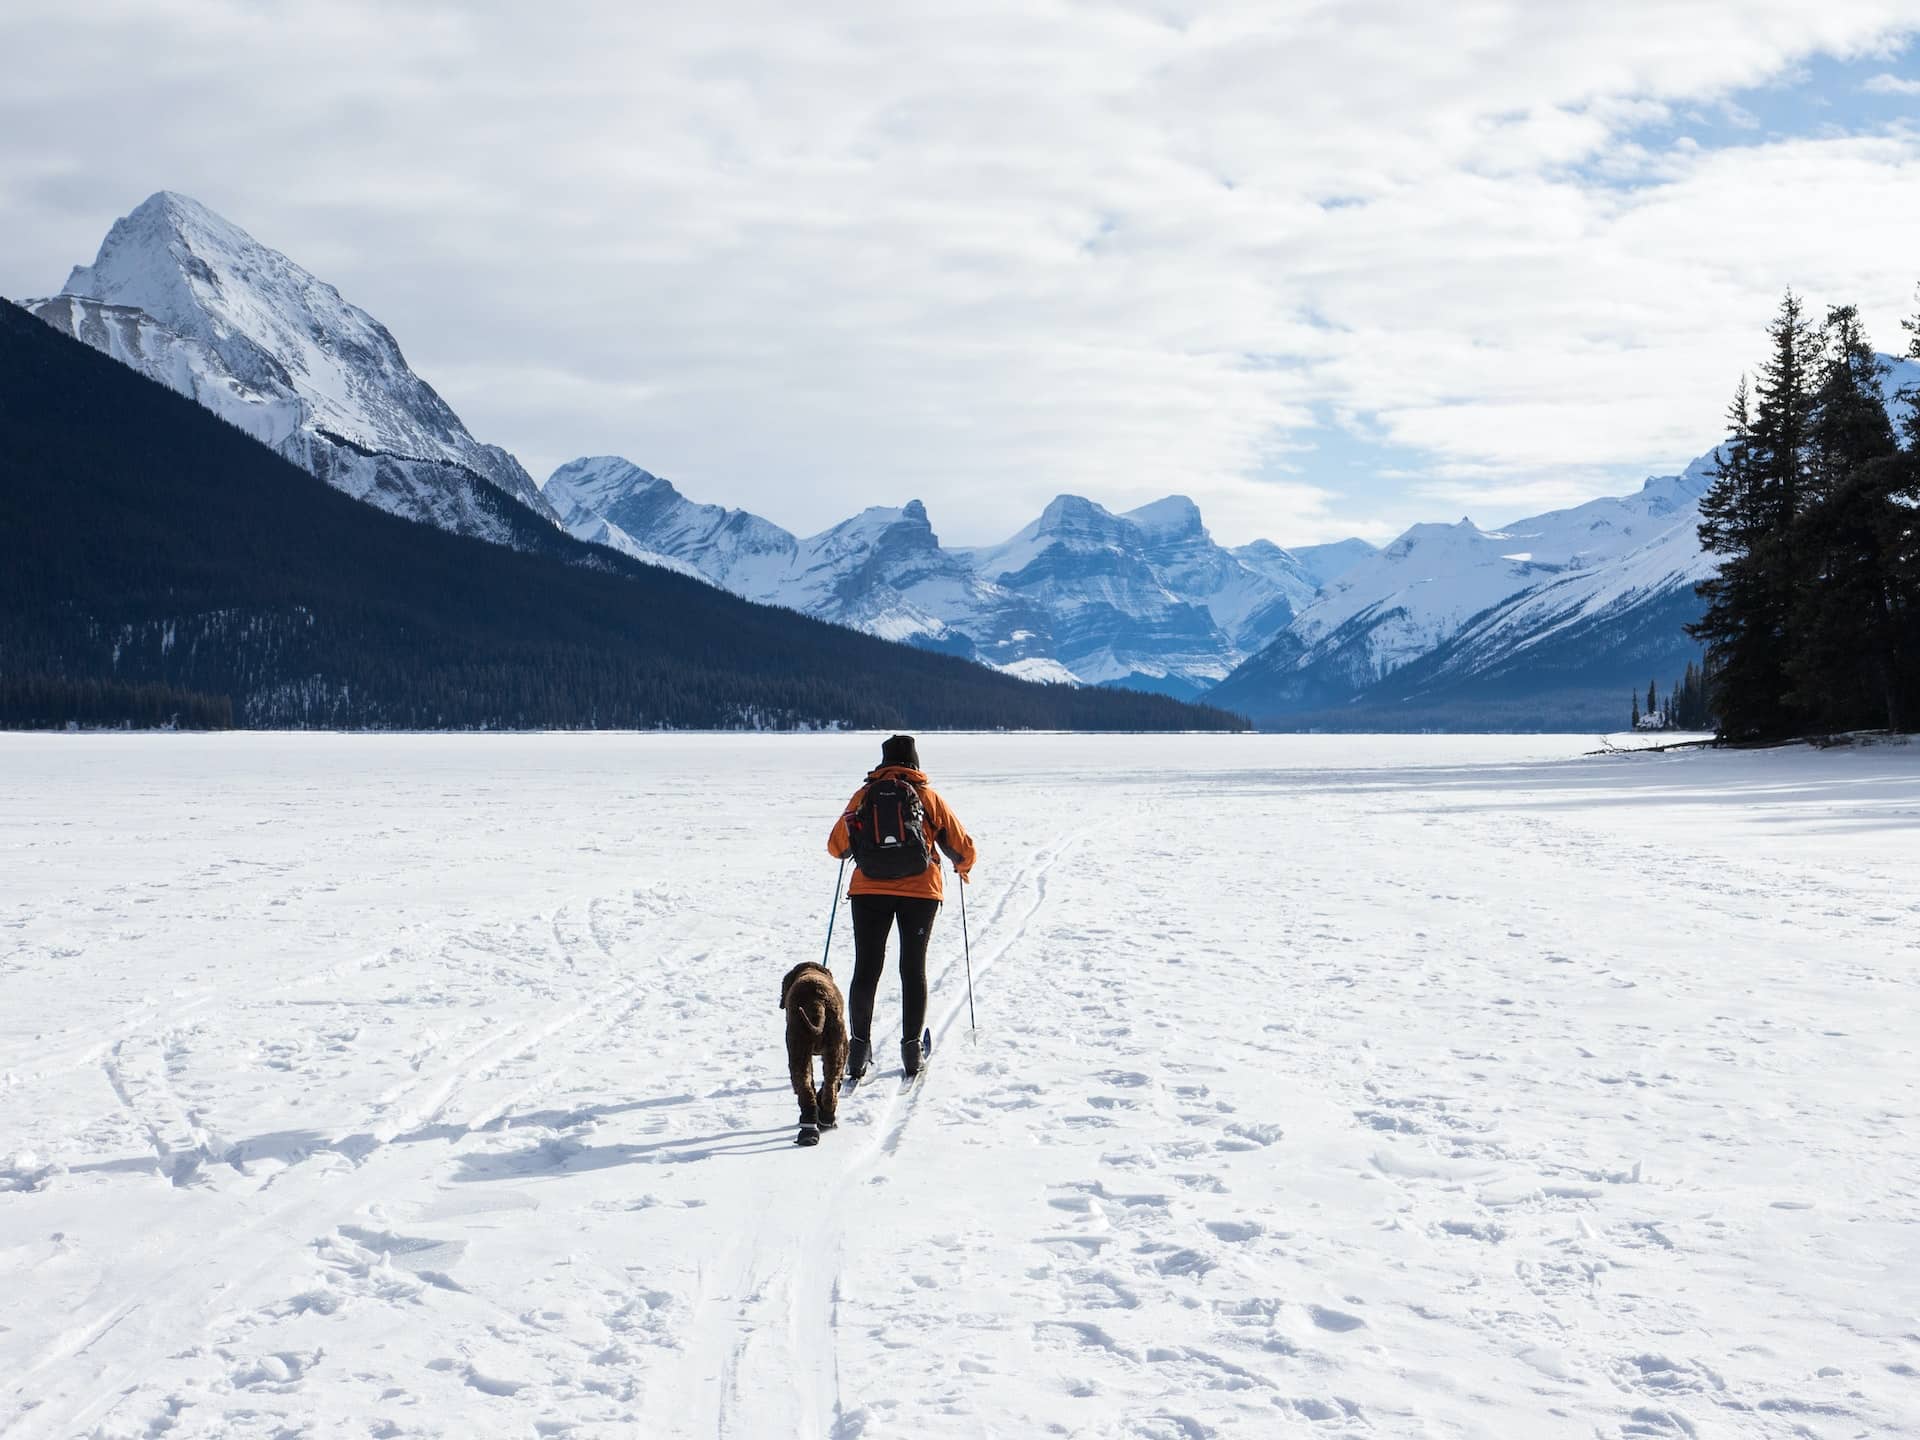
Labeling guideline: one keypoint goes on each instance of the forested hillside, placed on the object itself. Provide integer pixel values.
(148, 543)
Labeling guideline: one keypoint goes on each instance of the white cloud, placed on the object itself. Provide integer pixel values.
(807, 261)
(1891, 85)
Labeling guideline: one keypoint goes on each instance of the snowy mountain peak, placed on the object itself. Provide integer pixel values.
(195, 302)
(165, 250)
(1672, 494)
(598, 481)
(1070, 510)
(1311, 566)
(645, 514)
(1078, 520)
(895, 526)
(1176, 515)
(1610, 575)
(271, 322)
(1080, 594)
(1433, 532)
(1264, 550)
(1699, 474)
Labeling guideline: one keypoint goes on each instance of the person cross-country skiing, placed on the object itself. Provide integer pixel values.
(890, 827)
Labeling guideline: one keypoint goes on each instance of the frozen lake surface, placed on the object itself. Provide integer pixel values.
(1369, 1086)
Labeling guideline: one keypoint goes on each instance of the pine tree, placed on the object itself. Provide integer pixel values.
(1731, 627)
(1687, 701)
(1636, 710)
(1747, 518)
(1784, 413)
(1844, 659)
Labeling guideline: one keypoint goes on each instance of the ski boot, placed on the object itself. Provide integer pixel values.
(914, 1052)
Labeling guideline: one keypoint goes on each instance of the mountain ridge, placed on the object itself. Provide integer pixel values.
(1083, 594)
(1145, 598)
(1446, 602)
(189, 299)
(122, 500)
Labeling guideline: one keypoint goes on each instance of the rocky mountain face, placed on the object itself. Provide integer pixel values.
(1144, 599)
(1454, 615)
(1082, 595)
(194, 302)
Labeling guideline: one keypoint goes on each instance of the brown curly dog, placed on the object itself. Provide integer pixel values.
(816, 1025)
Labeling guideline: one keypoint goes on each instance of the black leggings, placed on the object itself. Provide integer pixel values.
(873, 917)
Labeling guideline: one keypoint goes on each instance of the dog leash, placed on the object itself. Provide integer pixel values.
(967, 944)
(832, 911)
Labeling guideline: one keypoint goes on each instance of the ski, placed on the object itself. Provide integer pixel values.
(851, 1082)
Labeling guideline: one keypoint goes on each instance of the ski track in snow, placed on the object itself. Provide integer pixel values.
(1345, 1086)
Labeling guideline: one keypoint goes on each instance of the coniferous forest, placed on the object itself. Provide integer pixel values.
(1685, 706)
(161, 567)
(1813, 619)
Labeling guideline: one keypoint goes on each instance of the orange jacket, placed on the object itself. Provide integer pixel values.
(943, 829)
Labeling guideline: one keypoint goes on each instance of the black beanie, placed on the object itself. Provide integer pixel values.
(899, 750)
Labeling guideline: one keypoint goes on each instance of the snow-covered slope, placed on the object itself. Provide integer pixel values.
(1672, 562)
(1513, 589)
(735, 550)
(184, 365)
(1324, 1088)
(191, 300)
(1434, 577)
(1313, 566)
(1082, 594)
(575, 513)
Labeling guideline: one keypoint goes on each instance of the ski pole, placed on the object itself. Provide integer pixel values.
(967, 946)
(832, 911)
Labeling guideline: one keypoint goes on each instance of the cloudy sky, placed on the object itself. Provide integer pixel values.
(1329, 268)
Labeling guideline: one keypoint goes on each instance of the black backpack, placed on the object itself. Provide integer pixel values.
(889, 831)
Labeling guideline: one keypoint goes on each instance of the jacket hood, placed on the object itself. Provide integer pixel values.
(900, 772)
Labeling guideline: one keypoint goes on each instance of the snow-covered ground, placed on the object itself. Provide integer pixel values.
(391, 1086)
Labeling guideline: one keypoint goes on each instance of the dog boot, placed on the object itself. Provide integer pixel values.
(828, 1102)
(859, 1053)
(809, 1135)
